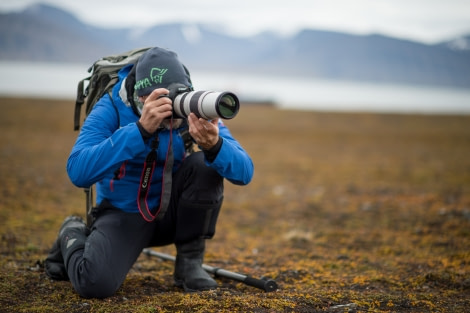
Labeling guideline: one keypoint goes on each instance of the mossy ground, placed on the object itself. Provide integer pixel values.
(347, 212)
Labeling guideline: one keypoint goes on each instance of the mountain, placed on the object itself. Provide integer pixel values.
(45, 33)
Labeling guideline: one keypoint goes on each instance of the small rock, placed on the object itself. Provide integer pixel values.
(341, 307)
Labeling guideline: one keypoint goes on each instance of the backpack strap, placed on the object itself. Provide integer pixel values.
(186, 136)
(89, 205)
(79, 102)
(110, 94)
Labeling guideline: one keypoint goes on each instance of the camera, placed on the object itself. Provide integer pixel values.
(205, 104)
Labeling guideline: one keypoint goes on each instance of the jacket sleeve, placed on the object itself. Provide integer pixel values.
(101, 145)
(232, 161)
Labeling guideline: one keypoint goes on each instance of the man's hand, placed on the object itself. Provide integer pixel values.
(155, 110)
(205, 133)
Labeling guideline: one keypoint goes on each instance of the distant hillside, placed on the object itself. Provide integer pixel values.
(45, 33)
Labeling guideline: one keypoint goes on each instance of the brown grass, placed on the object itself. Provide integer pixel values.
(347, 212)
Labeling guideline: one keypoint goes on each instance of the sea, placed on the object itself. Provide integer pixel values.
(51, 80)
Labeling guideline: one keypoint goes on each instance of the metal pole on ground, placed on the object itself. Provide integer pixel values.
(267, 285)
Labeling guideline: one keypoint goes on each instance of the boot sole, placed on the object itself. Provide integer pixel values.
(181, 284)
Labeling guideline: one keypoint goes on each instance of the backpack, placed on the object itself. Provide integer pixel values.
(104, 75)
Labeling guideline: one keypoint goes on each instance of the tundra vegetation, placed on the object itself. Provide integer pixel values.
(347, 212)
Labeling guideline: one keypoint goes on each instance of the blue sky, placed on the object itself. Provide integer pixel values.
(427, 21)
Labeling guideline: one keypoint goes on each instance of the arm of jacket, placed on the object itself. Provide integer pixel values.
(232, 161)
(101, 145)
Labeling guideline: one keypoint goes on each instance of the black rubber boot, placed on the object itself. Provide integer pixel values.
(189, 273)
(54, 263)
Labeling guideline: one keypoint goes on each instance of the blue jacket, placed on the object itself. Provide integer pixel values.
(112, 156)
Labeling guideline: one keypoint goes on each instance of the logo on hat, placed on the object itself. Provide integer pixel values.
(156, 74)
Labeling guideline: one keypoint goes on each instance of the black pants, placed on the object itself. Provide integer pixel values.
(117, 238)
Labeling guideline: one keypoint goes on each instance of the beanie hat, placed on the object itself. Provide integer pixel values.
(158, 68)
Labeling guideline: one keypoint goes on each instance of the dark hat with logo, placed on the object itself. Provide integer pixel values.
(158, 68)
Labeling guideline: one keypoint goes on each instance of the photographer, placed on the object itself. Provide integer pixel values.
(152, 189)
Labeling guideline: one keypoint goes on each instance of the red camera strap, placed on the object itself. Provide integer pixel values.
(146, 180)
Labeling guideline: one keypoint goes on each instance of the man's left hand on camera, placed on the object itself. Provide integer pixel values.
(205, 133)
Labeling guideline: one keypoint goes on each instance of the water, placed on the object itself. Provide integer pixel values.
(48, 80)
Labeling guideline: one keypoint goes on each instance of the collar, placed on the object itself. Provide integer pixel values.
(123, 93)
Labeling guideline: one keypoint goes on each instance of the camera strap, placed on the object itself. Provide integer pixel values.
(146, 179)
